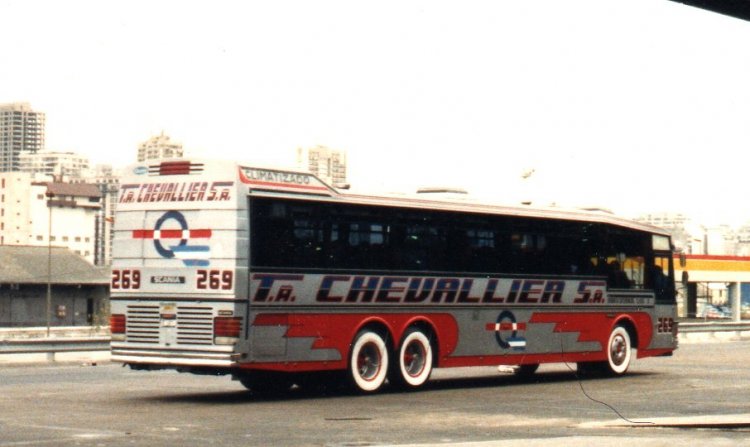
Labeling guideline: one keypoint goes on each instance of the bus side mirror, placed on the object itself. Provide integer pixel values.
(683, 260)
(684, 278)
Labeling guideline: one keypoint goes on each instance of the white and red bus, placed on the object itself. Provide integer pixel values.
(270, 276)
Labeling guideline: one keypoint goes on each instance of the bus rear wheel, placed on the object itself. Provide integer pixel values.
(368, 361)
(414, 364)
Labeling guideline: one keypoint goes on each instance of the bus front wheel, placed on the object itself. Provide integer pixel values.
(619, 351)
(368, 361)
(414, 364)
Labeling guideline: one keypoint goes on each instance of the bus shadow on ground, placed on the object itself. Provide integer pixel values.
(327, 389)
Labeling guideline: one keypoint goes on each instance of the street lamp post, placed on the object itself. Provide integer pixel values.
(49, 195)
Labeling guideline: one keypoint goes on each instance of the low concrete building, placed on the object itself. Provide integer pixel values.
(80, 291)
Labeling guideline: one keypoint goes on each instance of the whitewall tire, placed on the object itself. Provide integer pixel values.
(414, 359)
(368, 361)
(619, 351)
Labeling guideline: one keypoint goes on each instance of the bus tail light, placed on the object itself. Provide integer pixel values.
(117, 327)
(227, 330)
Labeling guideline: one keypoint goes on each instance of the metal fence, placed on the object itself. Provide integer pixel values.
(59, 340)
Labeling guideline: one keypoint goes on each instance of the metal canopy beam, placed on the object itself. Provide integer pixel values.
(735, 8)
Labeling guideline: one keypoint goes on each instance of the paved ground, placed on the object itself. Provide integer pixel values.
(79, 404)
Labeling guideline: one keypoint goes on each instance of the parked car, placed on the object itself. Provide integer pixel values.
(712, 311)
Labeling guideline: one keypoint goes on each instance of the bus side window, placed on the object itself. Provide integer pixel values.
(417, 246)
(658, 279)
(616, 276)
(481, 250)
(306, 243)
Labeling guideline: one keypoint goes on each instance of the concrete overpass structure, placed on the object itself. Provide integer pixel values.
(730, 273)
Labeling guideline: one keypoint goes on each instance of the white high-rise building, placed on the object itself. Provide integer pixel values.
(159, 147)
(21, 131)
(61, 165)
(37, 212)
(328, 164)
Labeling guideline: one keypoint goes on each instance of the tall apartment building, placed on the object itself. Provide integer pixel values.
(61, 165)
(21, 131)
(328, 164)
(37, 212)
(159, 147)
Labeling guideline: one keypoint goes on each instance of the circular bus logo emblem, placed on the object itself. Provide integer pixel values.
(506, 331)
(164, 252)
(179, 241)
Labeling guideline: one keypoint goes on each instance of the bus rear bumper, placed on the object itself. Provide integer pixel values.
(175, 358)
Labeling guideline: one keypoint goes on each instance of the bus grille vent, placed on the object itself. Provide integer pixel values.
(195, 325)
(143, 324)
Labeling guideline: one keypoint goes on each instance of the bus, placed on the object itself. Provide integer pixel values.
(273, 276)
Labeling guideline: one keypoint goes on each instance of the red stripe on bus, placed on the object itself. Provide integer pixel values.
(200, 234)
(172, 234)
(248, 181)
(286, 185)
(506, 327)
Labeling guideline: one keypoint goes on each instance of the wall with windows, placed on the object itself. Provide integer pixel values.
(25, 216)
(15, 207)
(24, 305)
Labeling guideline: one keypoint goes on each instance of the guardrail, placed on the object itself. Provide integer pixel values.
(52, 346)
(707, 331)
(714, 326)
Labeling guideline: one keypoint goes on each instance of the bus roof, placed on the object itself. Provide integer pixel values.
(317, 189)
(304, 185)
(469, 205)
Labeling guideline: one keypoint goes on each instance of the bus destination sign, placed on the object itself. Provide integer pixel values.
(266, 178)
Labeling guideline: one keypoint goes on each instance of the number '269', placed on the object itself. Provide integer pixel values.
(665, 325)
(126, 279)
(215, 279)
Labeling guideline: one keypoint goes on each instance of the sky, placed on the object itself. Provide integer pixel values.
(635, 106)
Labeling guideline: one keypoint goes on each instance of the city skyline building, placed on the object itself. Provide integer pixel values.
(326, 163)
(61, 165)
(692, 237)
(687, 236)
(159, 147)
(22, 130)
(35, 211)
(108, 182)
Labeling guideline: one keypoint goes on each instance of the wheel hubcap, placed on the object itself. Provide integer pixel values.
(618, 350)
(368, 361)
(414, 359)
